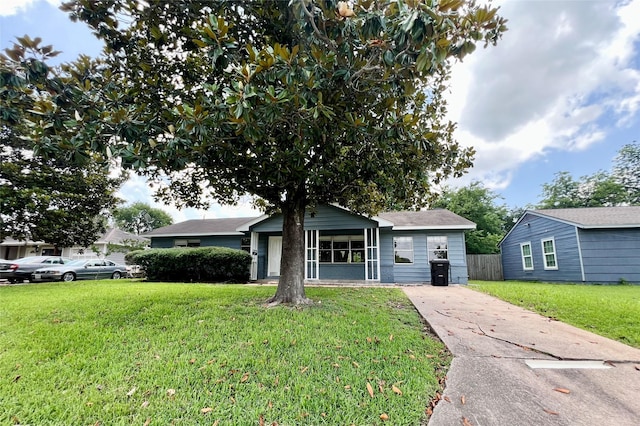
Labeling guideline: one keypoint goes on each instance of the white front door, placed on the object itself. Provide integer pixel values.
(275, 253)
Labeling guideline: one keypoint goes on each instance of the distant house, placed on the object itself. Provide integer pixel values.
(591, 245)
(103, 248)
(394, 247)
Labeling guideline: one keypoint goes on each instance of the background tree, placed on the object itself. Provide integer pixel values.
(44, 197)
(297, 103)
(139, 217)
(626, 171)
(478, 204)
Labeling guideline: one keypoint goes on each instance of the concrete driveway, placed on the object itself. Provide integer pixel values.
(514, 367)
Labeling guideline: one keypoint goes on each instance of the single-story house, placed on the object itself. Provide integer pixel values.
(590, 245)
(103, 248)
(394, 247)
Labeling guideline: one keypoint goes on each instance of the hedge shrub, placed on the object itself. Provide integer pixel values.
(201, 264)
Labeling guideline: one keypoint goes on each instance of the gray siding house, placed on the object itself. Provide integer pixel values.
(394, 247)
(590, 245)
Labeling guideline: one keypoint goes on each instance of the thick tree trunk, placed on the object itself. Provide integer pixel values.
(291, 283)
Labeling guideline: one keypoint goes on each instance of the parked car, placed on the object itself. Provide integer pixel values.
(21, 269)
(94, 269)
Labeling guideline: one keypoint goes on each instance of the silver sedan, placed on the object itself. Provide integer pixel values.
(94, 269)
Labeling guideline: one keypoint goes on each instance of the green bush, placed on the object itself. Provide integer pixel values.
(202, 264)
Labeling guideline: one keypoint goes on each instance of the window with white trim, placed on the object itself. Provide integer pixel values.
(245, 244)
(437, 247)
(342, 249)
(186, 243)
(549, 254)
(403, 249)
(527, 256)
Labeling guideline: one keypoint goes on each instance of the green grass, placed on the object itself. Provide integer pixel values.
(122, 352)
(612, 311)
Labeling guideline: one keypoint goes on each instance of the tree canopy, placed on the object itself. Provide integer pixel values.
(478, 204)
(618, 187)
(297, 103)
(45, 197)
(139, 217)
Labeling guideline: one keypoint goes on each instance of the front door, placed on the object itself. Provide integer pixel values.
(275, 253)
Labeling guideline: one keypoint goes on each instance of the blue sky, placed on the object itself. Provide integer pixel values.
(560, 92)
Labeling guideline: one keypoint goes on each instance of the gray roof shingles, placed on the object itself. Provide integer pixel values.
(436, 218)
(625, 216)
(201, 227)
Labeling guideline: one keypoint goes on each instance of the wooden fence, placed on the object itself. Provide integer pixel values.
(485, 267)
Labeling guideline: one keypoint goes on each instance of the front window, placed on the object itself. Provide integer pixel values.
(245, 244)
(342, 249)
(186, 243)
(438, 247)
(549, 254)
(403, 249)
(527, 257)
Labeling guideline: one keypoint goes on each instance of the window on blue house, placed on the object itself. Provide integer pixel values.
(403, 249)
(549, 254)
(527, 257)
(186, 243)
(342, 249)
(438, 247)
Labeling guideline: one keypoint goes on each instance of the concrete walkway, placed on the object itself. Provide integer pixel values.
(494, 379)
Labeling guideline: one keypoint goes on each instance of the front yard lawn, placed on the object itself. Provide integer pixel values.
(123, 352)
(609, 310)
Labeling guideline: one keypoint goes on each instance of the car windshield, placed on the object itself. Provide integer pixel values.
(76, 262)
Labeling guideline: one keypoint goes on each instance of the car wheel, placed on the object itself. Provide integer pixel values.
(116, 275)
(13, 280)
(68, 276)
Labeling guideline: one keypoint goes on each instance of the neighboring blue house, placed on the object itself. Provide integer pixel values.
(592, 245)
(394, 247)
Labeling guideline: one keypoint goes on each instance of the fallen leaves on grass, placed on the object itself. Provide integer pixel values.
(370, 389)
(384, 417)
(147, 422)
(396, 390)
(171, 392)
(245, 377)
(131, 392)
(206, 410)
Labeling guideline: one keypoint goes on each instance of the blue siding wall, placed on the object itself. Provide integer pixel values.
(338, 271)
(325, 217)
(420, 270)
(534, 229)
(610, 255)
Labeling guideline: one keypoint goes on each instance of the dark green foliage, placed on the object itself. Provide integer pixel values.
(203, 264)
(138, 218)
(46, 196)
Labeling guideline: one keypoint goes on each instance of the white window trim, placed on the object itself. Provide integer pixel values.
(430, 252)
(544, 255)
(522, 256)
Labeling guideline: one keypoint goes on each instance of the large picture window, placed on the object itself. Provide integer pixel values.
(549, 254)
(403, 249)
(342, 249)
(437, 246)
(527, 257)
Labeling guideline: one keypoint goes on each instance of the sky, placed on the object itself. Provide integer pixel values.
(560, 92)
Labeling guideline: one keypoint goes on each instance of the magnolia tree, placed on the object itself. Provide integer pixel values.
(297, 103)
(59, 196)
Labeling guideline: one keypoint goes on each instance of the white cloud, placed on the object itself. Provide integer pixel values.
(13, 7)
(560, 79)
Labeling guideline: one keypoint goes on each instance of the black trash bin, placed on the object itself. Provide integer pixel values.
(440, 272)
